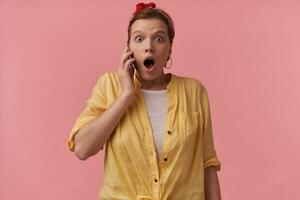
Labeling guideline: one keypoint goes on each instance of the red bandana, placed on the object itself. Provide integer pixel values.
(141, 6)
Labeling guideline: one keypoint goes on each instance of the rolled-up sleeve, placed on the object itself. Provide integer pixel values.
(95, 106)
(210, 157)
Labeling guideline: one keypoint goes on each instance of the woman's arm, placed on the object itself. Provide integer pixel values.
(211, 182)
(92, 137)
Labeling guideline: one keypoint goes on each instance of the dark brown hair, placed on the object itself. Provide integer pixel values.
(154, 13)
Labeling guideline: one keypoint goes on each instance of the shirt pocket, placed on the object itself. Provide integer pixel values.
(189, 125)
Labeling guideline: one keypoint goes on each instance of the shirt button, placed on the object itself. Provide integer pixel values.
(169, 132)
(155, 180)
(165, 159)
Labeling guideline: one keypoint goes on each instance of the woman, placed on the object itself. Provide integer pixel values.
(156, 126)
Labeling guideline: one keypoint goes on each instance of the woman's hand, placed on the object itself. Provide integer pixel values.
(125, 73)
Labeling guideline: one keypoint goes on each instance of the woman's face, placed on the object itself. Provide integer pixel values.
(149, 39)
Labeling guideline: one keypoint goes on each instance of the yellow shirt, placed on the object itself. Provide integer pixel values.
(131, 168)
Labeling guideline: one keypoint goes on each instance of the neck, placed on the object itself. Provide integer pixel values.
(157, 84)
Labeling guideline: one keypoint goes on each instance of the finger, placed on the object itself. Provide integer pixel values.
(127, 53)
(126, 49)
(124, 52)
(128, 63)
(125, 57)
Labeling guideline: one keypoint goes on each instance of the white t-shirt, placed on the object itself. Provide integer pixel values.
(156, 103)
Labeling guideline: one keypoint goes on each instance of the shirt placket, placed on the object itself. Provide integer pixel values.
(150, 148)
(149, 141)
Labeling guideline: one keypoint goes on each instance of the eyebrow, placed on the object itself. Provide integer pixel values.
(159, 31)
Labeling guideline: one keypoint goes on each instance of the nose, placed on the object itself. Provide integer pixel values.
(148, 50)
(148, 47)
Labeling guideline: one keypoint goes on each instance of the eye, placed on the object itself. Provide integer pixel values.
(159, 39)
(138, 38)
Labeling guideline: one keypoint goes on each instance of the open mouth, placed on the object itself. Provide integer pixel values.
(149, 64)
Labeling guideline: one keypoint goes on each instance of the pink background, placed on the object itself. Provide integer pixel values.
(246, 53)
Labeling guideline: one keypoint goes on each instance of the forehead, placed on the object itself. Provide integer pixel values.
(149, 25)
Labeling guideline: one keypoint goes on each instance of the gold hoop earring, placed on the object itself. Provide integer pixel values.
(170, 65)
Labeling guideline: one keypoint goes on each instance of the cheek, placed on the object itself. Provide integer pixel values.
(165, 50)
(164, 55)
(134, 48)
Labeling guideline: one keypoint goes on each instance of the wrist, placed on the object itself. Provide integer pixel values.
(128, 96)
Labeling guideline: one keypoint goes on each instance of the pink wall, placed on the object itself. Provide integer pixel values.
(247, 55)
